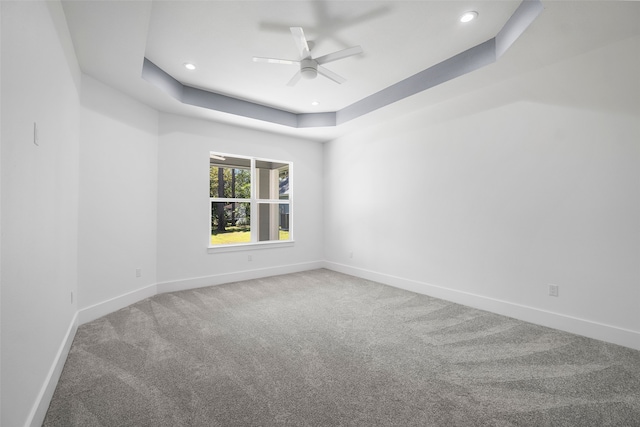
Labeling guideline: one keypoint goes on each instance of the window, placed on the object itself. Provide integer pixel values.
(250, 200)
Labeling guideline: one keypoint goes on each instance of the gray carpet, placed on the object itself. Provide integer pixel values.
(325, 349)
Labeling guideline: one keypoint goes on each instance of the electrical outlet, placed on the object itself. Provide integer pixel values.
(553, 290)
(138, 272)
(249, 258)
(351, 254)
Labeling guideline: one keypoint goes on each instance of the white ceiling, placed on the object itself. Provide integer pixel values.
(399, 39)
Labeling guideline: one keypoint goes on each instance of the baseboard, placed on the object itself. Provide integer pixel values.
(103, 308)
(219, 279)
(587, 328)
(41, 405)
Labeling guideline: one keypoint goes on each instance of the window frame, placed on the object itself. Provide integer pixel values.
(254, 201)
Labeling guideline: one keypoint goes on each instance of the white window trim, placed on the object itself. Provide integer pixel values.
(254, 201)
(250, 246)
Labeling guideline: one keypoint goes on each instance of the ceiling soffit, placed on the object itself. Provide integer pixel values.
(465, 62)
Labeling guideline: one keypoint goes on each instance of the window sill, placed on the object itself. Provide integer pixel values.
(249, 246)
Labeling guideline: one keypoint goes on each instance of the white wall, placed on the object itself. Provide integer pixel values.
(183, 200)
(40, 83)
(488, 198)
(118, 194)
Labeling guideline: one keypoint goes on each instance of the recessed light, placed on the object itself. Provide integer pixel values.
(189, 66)
(469, 16)
(314, 103)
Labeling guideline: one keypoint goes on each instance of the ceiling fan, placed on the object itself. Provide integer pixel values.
(310, 67)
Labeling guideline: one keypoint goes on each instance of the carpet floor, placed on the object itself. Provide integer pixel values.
(321, 348)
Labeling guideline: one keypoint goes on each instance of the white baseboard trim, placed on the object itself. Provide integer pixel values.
(219, 279)
(41, 405)
(587, 328)
(103, 308)
(111, 305)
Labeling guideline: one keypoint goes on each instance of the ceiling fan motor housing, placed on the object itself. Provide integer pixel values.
(309, 68)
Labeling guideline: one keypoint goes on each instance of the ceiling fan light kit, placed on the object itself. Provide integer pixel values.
(310, 67)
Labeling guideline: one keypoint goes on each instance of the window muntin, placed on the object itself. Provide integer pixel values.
(250, 200)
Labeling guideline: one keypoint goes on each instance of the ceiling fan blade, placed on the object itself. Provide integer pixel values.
(301, 42)
(344, 53)
(274, 60)
(294, 79)
(331, 75)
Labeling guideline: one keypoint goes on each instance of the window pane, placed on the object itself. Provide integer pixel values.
(229, 178)
(230, 223)
(263, 164)
(283, 183)
(273, 180)
(273, 221)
